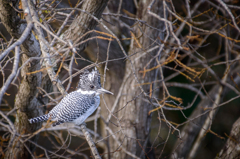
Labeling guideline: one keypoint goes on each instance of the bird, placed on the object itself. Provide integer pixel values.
(78, 105)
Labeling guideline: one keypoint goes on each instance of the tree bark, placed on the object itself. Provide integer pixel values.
(190, 131)
(134, 118)
(231, 148)
(85, 21)
(26, 102)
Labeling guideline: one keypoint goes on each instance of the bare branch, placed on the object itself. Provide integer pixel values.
(19, 41)
(90, 142)
(12, 75)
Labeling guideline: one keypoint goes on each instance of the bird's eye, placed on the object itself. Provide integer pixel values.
(91, 86)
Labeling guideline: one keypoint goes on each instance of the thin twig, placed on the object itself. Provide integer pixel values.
(14, 71)
(19, 41)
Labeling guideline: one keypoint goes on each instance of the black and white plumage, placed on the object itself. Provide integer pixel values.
(78, 105)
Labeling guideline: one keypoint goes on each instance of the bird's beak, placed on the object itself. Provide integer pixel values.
(101, 90)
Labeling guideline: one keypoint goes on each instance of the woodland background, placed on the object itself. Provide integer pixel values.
(173, 66)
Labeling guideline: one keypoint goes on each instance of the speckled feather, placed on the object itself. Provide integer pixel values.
(77, 106)
(73, 106)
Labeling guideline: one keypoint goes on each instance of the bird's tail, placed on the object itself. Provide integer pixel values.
(39, 119)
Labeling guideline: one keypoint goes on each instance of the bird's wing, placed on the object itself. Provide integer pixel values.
(72, 106)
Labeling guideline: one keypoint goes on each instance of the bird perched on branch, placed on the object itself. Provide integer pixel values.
(78, 105)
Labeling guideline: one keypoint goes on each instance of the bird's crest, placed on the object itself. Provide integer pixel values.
(89, 77)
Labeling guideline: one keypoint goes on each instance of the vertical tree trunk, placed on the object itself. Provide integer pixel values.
(26, 105)
(26, 102)
(132, 111)
(231, 148)
(134, 116)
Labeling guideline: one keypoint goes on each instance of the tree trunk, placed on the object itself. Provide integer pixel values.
(191, 130)
(85, 21)
(133, 111)
(26, 102)
(231, 148)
